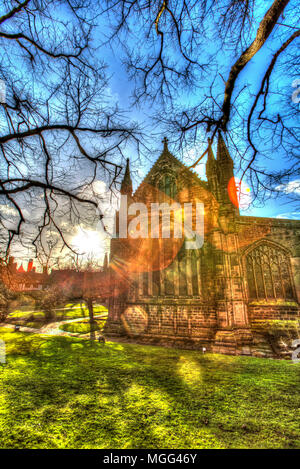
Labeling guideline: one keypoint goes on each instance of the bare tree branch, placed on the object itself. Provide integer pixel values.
(263, 32)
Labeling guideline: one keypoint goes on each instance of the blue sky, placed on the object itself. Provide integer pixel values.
(121, 89)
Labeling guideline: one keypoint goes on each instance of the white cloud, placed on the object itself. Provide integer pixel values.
(141, 173)
(289, 215)
(292, 187)
(96, 190)
(8, 210)
(111, 96)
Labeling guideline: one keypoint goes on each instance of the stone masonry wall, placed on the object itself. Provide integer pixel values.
(269, 312)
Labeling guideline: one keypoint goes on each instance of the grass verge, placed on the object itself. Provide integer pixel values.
(61, 392)
(38, 318)
(83, 327)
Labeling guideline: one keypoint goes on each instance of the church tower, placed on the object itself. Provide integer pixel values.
(227, 185)
(220, 178)
(211, 171)
(126, 199)
(126, 185)
(224, 160)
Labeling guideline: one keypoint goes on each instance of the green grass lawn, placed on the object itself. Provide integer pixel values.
(83, 327)
(37, 318)
(77, 311)
(17, 314)
(61, 392)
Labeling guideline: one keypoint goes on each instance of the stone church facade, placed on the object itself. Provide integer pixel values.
(247, 270)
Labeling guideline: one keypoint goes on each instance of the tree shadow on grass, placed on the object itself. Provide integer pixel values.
(68, 393)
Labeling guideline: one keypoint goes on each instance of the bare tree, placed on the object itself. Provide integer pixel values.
(58, 130)
(48, 300)
(192, 59)
(8, 300)
(82, 280)
(9, 297)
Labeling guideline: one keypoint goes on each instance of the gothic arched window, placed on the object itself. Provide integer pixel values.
(195, 276)
(167, 185)
(182, 265)
(269, 273)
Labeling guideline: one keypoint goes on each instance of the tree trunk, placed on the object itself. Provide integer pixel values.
(89, 303)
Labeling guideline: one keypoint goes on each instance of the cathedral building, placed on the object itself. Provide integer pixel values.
(245, 271)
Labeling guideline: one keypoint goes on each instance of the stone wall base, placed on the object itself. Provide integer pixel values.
(233, 342)
(197, 335)
(229, 342)
(114, 328)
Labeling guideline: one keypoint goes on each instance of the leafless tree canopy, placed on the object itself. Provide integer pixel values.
(58, 128)
(224, 65)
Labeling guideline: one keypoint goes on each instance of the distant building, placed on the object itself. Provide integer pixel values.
(19, 279)
(68, 280)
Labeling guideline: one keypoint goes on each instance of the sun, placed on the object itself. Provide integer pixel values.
(88, 242)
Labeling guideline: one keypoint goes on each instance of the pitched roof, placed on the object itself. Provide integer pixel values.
(167, 155)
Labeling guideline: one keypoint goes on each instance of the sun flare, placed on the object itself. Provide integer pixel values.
(88, 242)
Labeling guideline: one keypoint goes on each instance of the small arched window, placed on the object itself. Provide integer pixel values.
(269, 273)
